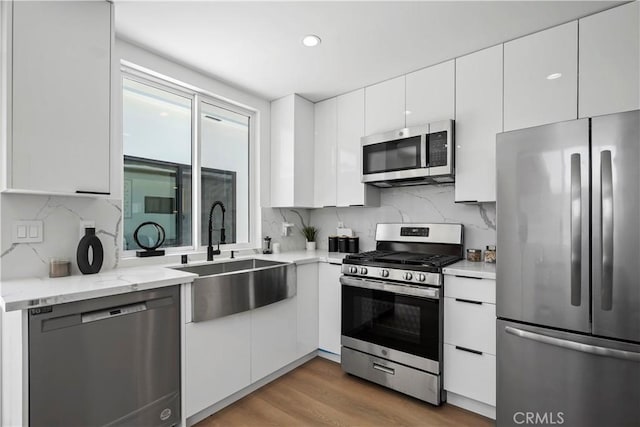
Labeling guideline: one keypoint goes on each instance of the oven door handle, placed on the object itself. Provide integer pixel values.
(413, 291)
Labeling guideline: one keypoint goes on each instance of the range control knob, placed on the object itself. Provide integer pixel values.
(421, 277)
(353, 270)
(363, 270)
(408, 276)
(384, 273)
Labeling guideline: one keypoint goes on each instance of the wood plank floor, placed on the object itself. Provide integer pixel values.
(319, 393)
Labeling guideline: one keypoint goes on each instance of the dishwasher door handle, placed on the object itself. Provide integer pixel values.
(112, 312)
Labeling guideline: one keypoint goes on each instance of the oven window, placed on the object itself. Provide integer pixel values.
(391, 156)
(404, 323)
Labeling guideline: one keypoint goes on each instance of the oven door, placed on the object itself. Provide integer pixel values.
(392, 321)
(395, 155)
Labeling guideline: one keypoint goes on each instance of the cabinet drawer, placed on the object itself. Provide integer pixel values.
(470, 375)
(470, 324)
(470, 288)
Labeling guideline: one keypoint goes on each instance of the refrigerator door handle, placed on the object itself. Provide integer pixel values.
(606, 226)
(573, 345)
(576, 230)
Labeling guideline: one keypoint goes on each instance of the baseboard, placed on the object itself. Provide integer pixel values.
(471, 405)
(328, 355)
(196, 418)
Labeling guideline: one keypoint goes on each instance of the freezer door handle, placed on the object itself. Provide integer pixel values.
(606, 226)
(573, 345)
(576, 230)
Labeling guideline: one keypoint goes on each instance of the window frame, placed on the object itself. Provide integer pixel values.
(197, 97)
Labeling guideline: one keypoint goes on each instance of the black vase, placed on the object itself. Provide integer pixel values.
(90, 240)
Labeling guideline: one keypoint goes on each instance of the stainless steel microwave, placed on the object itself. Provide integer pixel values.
(409, 156)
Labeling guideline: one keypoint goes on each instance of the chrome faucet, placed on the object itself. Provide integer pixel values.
(210, 251)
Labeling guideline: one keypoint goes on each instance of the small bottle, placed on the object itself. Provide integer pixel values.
(266, 245)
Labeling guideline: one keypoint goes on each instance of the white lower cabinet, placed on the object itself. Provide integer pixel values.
(470, 374)
(273, 337)
(329, 300)
(469, 360)
(470, 324)
(218, 360)
(307, 308)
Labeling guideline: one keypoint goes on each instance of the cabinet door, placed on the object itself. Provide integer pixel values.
(307, 308)
(218, 360)
(430, 94)
(532, 96)
(274, 339)
(478, 120)
(350, 191)
(61, 58)
(385, 106)
(325, 153)
(292, 152)
(329, 300)
(609, 61)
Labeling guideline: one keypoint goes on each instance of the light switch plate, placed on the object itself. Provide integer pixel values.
(28, 232)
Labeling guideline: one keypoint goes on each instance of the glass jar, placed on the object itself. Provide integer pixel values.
(474, 255)
(490, 254)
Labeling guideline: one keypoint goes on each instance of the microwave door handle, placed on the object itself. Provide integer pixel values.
(423, 150)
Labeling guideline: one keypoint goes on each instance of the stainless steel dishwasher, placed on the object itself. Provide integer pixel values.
(107, 361)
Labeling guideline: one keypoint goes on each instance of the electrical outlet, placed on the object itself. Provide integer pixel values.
(86, 224)
(340, 224)
(285, 228)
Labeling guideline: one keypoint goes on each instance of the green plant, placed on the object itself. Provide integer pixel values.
(309, 232)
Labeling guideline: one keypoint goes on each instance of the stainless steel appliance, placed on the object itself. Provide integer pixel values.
(568, 273)
(409, 156)
(107, 361)
(392, 309)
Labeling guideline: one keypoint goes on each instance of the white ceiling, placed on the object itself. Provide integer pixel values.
(257, 46)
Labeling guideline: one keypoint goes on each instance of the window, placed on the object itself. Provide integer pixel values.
(159, 139)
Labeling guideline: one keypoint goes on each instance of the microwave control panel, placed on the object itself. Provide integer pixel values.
(437, 149)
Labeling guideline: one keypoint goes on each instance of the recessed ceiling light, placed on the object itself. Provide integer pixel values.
(311, 40)
(164, 114)
(554, 76)
(407, 112)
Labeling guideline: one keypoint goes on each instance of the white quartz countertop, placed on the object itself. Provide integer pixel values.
(480, 270)
(20, 294)
(26, 293)
(305, 257)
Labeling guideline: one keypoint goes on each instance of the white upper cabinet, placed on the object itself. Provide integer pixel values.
(350, 128)
(325, 153)
(385, 106)
(430, 94)
(60, 75)
(292, 150)
(532, 96)
(609, 61)
(478, 120)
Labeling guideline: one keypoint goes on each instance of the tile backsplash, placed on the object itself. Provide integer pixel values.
(426, 203)
(61, 217)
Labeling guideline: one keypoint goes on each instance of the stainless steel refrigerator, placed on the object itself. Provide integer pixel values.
(568, 273)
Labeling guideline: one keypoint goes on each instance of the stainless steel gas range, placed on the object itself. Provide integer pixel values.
(392, 308)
